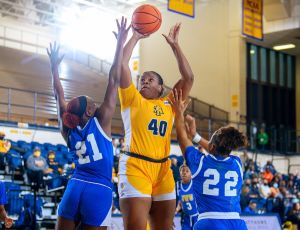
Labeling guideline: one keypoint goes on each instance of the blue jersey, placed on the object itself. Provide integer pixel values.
(92, 152)
(217, 184)
(185, 195)
(3, 200)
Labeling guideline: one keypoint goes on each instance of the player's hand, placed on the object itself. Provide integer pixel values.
(53, 53)
(138, 35)
(172, 37)
(121, 36)
(8, 222)
(190, 125)
(179, 105)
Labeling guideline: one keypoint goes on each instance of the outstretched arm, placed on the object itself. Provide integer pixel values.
(190, 124)
(107, 108)
(128, 49)
(187, 77)
(8, 222)
(55, 60)
(179, 106)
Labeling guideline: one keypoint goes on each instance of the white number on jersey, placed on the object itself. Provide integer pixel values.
(81, 150)
(229, 185)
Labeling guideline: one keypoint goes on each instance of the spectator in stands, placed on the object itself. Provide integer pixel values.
(268, 175)
(294, 215)
(175, 169)
(54, 167)
(8, 222)
(249, 172)
(270, 165)
(251, 208)
(121, 145)
(274, 190)
(37, 166)
(4, 144)
(254, 189)
(291, 187)
(245, 194)
(265, 190)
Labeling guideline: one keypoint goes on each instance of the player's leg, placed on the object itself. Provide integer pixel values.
(63, 223)
(135, 189)
(68, 209)
(164, 200)
(135, 212)
(162, 214)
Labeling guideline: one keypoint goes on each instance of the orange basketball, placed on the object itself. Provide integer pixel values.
(146, 19)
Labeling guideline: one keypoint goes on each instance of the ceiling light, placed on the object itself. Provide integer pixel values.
(284, 47)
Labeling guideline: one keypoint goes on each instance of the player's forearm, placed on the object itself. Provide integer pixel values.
(57, 87)
(181, 132)
(128, 49)
(204, 143)
(115, 71)
(3, 213)
(183, 64)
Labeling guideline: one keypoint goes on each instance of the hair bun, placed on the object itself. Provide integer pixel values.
(70, 120)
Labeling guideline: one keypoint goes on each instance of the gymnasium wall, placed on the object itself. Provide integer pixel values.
(215, 49)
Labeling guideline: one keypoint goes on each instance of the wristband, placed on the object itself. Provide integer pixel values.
(197, 138)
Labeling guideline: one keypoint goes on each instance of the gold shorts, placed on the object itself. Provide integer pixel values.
(141, 178)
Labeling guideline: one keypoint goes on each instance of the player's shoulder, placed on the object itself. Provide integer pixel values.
(236, 158)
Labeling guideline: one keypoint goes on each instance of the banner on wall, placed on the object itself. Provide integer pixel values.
(253, 18)
(184, 7)
(262, 222)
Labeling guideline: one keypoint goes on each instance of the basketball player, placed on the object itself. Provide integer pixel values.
(8, 222)
(146, 184)
(186, 199)
(87, 130)
(217, 177)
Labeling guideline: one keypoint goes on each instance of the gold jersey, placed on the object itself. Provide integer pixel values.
(147, 123)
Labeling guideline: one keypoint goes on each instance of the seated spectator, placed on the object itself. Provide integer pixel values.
(249, 172)
(268, 175)
(251, 208)
(264, 190)
(54, 167)
(37, 166)
(294, 215)
(8, 222)
(291, 187)
(254, 188)
(270, 165)
(5, 145)
(274, 190)
(121, 145)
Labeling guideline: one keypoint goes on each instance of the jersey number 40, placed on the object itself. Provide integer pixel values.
(81, 150)
(158, 127)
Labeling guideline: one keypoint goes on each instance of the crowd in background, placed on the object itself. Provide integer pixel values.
(264, 190)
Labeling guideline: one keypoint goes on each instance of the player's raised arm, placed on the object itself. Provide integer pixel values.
(107, 108)
(187, 77)
(190, 125)
(128, 49)
(179, 105)
(55, 60)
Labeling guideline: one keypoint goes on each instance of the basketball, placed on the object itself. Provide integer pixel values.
(146, 19)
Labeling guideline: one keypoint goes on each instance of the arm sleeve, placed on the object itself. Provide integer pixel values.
(128, 96)
(193, 157)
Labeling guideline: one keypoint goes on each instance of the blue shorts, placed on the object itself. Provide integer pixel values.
(188, 222)
(87, 202)
(224, 224)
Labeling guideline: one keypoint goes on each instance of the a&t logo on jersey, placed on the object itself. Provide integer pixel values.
(158, 110)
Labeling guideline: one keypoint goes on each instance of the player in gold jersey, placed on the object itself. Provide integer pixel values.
(146, 184)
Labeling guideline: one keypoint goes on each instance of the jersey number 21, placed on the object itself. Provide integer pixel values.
(81, 150)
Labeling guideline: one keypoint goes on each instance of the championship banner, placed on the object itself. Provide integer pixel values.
(185, 7)
(253, 18)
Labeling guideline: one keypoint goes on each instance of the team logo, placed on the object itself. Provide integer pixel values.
(158, 110)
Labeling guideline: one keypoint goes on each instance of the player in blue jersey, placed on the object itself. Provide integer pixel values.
(217, 177)
(8, 222)
(87, 130)
(186, 198)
